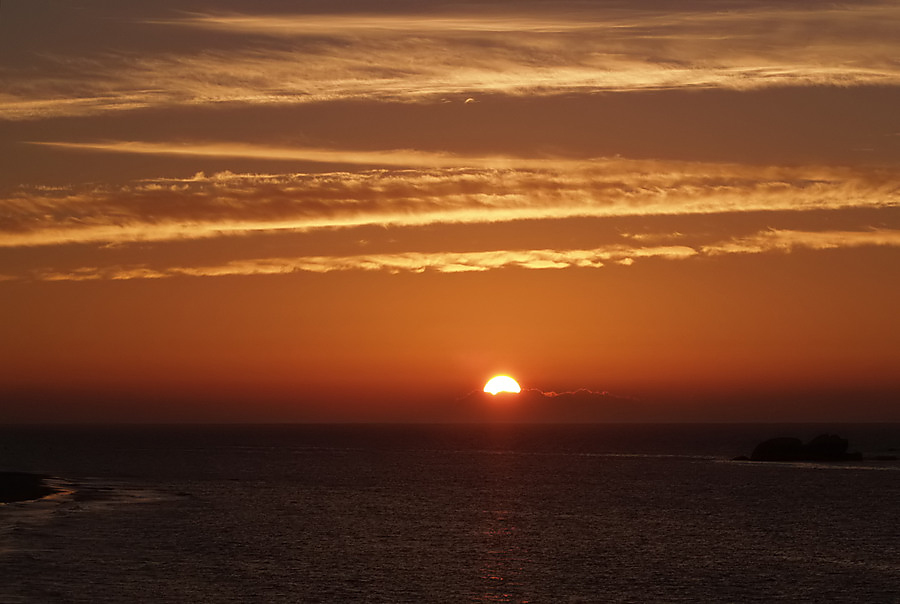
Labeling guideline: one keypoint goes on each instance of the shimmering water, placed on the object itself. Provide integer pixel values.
(447, 514)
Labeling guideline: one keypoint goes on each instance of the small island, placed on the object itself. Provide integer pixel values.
(824, 447)
(22, 486)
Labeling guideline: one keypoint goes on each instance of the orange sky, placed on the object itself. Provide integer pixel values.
(352, 211)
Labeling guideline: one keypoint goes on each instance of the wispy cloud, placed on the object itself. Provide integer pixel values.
(391, 157)
(437, 189)
(457, 262)
(319, 58)
(787, 240)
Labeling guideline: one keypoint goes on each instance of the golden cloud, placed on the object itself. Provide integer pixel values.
(455, 262)
(319, 58)
(788, 240)
(441, 189)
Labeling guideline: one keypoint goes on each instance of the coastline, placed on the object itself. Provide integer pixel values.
(23, 486)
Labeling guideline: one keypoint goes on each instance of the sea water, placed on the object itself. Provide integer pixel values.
(463, 513)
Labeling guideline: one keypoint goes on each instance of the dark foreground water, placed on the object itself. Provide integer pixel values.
(611, 513)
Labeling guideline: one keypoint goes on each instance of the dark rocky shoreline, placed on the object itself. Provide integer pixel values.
(23, 486)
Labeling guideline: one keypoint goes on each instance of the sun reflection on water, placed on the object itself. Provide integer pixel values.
(501, 569)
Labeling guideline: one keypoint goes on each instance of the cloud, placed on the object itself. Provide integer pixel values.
(390, 157)
(789, 240)
(415, 262)
(580, 392)
(289, 59)
(534, 404)
(456, 262)
(446, 190)
(417, 189)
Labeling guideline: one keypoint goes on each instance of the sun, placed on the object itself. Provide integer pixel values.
(502, 383)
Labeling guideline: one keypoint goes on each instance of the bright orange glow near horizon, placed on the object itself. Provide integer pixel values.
(693, 219)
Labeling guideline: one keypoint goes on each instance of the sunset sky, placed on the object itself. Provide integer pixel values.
(361, 211)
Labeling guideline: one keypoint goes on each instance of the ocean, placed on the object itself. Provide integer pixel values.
(454, 513)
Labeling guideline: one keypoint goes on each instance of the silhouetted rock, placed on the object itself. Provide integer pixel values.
(21, 486)
(778, 449)
(824, 447)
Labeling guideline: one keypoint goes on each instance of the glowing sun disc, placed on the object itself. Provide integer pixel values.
(502, 383)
